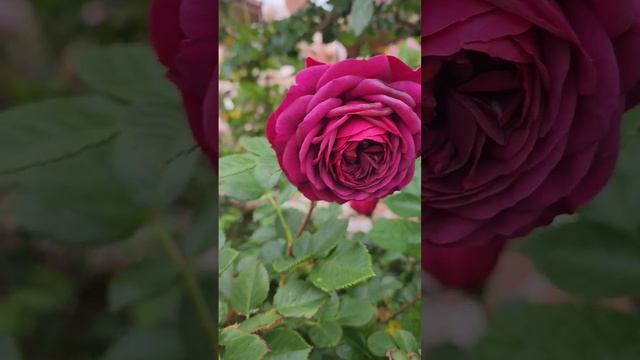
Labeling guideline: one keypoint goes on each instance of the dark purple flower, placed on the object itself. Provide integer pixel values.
(350, 130)
(184, 34)
(464, 267)
(522, 108)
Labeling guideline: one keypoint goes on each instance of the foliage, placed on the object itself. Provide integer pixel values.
(327, 295)
(109, 172)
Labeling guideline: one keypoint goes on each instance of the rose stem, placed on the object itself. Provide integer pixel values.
(305, 222)
(403, 308)
(190, 283)
(287, 231)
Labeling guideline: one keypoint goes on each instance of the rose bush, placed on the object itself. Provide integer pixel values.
(523, 101)
(351, 130)
(185, 36)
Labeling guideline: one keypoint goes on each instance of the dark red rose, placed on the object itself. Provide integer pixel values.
(464, 267)
(364, 207)
(184, 34)
(350, 130)
(522, 107)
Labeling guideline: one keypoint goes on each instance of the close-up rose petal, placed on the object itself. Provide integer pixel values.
(523, 107)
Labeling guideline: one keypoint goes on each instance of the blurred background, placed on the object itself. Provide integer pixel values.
(107, 234)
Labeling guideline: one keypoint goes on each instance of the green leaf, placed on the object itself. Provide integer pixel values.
(380, 343)
(329, 311)
(618, 204)
(357, 341)
(248, 347)
(51, 130)
(8, 348)
(348, 265)
(58, 201)
(293, 219)
(140, 281)
(559, 332)
(223, 310)
(249, 289)
(38, 292)
(360, 16)
(152, 154)
(406, 341)
(147, 345)
(286, 192)
(202, 235)
(395, 235)
(286, 345)
(410, 56)
(298, 298)
(260, 322)
(411, 320)
(130, 72)
(378, 288)
(225, 259)
(235, 164)
(286, 264)
(303, 247)
(587, 259)
(326, 335)
(267, 171)
(272, 250)
(257, 145)
(229, 334)
(243, 187)
(323, 214)
(323, 241)
(355, 312)
(404, 204)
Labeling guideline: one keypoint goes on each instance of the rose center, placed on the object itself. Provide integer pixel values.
(477, 102)
(361, 159)
(486, 87)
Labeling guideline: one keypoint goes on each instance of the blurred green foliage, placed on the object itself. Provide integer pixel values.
(107, 212)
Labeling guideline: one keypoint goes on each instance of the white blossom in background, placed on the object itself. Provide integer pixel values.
(327, 53)
(273, 10)
(283, 77)
(324, 4)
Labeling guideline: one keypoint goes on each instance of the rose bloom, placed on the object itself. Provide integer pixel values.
(523, 101)
(350, 130)
(184, 34)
